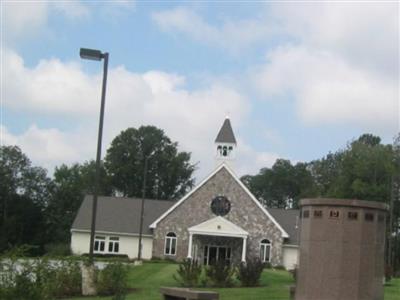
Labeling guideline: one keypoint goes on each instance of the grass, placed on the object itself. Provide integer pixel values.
(147, 279)
(392, 289)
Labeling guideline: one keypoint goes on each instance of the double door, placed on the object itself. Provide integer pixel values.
(213, 254)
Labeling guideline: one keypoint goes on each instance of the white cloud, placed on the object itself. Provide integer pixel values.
(328, 89)
(22, 18)
(365, 34)
(62, 89)
(251, 160)
(43, 88)
(342, 65)
(233, 36)
(48, 147)
(72, 9)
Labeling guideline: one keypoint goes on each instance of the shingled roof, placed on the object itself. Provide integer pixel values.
(225, 134)
(289, 220)
(118, 214)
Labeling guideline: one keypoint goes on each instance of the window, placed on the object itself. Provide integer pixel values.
(317, 213)
(224, 151)
(369, 217)
(99, 243)
(170, 244)
(334, 214)
(113, 244)
(306, 214)
(352, 215)
(220, 206)
(265, 250)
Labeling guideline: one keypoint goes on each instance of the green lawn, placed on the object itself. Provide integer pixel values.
(274, 285)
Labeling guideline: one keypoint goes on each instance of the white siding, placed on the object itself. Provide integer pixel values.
(127, 244)
(290, 257)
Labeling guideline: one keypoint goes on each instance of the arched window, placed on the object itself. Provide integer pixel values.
(265, 250)
(170, 244)
(225, 151)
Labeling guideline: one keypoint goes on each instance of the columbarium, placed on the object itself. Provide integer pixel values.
(342, 246)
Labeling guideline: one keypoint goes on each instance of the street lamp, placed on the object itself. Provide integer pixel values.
(96, 55)
(142, 210)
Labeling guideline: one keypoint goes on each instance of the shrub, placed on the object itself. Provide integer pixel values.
(294, 273)
(279, 267)
(250, 272)
(388, 272)
(267, 265)
(220, 274)
(41, 279)
(23, 278)
(108, 257)
(113, 280)
(58, 249)
(68, 278)
(188, 273)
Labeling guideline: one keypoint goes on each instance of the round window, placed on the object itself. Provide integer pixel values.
(220, 206)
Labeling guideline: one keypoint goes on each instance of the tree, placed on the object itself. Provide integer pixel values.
(24, 195)
(363, 171)
(282, 185)
(71, 184)
(169, 172)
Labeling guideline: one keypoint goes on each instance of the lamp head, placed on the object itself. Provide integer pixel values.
(91, 54)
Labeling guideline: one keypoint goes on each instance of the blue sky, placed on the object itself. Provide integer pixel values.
(298, 79)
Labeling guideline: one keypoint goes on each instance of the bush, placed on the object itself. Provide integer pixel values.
(22, 278)
(279, 267)
(220, 274)
(250, 272)
(388, 272)
(113, 280)
(267, 265)
(188, 273)
(37, 279)
(59, 249)
(68, 278)
(294, 273)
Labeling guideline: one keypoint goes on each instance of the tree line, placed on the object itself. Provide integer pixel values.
(38, 210)
(365, 169)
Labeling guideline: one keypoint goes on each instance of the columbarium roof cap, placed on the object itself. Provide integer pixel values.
(344, 202)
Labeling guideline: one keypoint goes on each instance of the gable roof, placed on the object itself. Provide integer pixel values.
(289, 219)
(222, 166)
(118, 214)
(225, 134)
(218, 226)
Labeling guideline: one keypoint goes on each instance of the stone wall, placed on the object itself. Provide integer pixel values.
(196, 209)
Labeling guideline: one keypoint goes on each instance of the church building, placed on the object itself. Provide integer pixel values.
(219, 219)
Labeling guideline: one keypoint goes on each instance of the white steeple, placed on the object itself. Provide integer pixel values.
(225, 144)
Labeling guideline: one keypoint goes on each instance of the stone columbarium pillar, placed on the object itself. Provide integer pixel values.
(342, 246)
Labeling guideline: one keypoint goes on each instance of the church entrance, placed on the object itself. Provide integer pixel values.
(214, 254)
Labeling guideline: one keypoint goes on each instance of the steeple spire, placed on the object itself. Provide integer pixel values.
(225, 134)
(225, 144)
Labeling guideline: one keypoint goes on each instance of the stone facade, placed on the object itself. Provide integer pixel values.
(244, 212)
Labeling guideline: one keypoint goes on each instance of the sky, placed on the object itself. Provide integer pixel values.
(298, 79)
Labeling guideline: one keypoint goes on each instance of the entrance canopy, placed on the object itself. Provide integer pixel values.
(218, 226)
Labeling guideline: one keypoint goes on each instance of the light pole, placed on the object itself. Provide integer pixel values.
(97, 55)
(142, 210)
